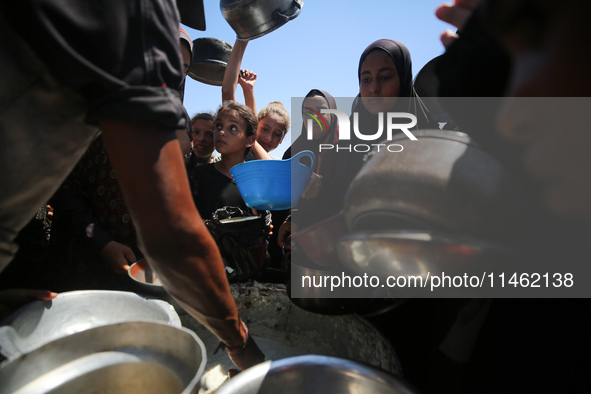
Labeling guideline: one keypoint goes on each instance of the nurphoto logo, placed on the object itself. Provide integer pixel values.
(392, 120)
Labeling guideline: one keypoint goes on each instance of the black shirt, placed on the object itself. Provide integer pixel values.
(212, 190)
(123, 56)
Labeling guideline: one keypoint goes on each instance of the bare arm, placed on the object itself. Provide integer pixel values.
(247, 81)
(170, 231)
(260, 153)
(231, 74)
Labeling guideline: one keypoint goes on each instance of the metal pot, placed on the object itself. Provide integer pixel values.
(210, 58)
(418, 254)
(41, 322)
(319, 241)
(342, 301)
(148, 282)
(442, 182)
(252, 19)
(314, 374)
(132, 357)
(283, 330)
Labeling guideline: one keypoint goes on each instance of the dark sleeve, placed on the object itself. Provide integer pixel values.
(123, 56)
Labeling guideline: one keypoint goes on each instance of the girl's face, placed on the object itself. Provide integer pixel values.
(379, 84)
(230, 133)
(202, 133)
(311, 111)
(270, 131)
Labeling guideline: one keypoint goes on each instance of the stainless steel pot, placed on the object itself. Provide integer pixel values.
(283, 330)
(442, 182)
(132, 357)
(252, 19)
(147, 280)
(342, 301)
(315, 374)
(419, 254)
(319, 241)
(210, 58)
(41, 322)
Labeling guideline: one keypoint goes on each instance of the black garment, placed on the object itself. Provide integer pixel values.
(122, 55)
(408, 102)
(329, 200)
(213, 190)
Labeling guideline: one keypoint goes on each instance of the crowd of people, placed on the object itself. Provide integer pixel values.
(96, 141)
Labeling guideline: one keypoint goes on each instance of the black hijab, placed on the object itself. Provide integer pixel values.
(323, 164)
(401, 57)
(329, 200)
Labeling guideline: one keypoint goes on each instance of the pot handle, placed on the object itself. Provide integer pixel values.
(298, 4)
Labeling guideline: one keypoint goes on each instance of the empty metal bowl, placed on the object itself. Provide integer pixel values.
(252, 19)
(141, 272)
(143, 275)
(132, 357)
(210, 58)
(314, 374)
(41, 322)
(416, 257)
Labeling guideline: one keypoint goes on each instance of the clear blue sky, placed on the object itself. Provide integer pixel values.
(320, 49)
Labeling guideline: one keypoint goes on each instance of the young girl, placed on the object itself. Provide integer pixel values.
(273, 125)
(234, 134)
(242, 245)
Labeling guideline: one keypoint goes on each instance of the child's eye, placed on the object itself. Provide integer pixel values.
(385, 77)
(365, 80)
(218, 126)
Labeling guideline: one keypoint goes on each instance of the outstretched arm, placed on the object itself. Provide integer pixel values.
(247, 81)
(231, 74)
(171, 233)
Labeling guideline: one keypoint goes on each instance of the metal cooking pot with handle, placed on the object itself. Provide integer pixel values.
(210, 58)
(252, 19)
(443, 182)
(315, 374)
(131, 357)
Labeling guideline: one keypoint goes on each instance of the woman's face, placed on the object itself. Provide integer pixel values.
(202, 134)
(311, 110)
(230, 133)
(379, 84)
(270, 131)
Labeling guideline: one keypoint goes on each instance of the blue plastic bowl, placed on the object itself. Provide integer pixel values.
(273, 184)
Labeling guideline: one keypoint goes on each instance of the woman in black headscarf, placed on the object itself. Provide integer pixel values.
(322, 198)
(385, 71)
(385, 85)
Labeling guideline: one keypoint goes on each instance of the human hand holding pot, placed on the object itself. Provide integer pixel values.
(12, 299)
(118, 257)
(284, 234)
